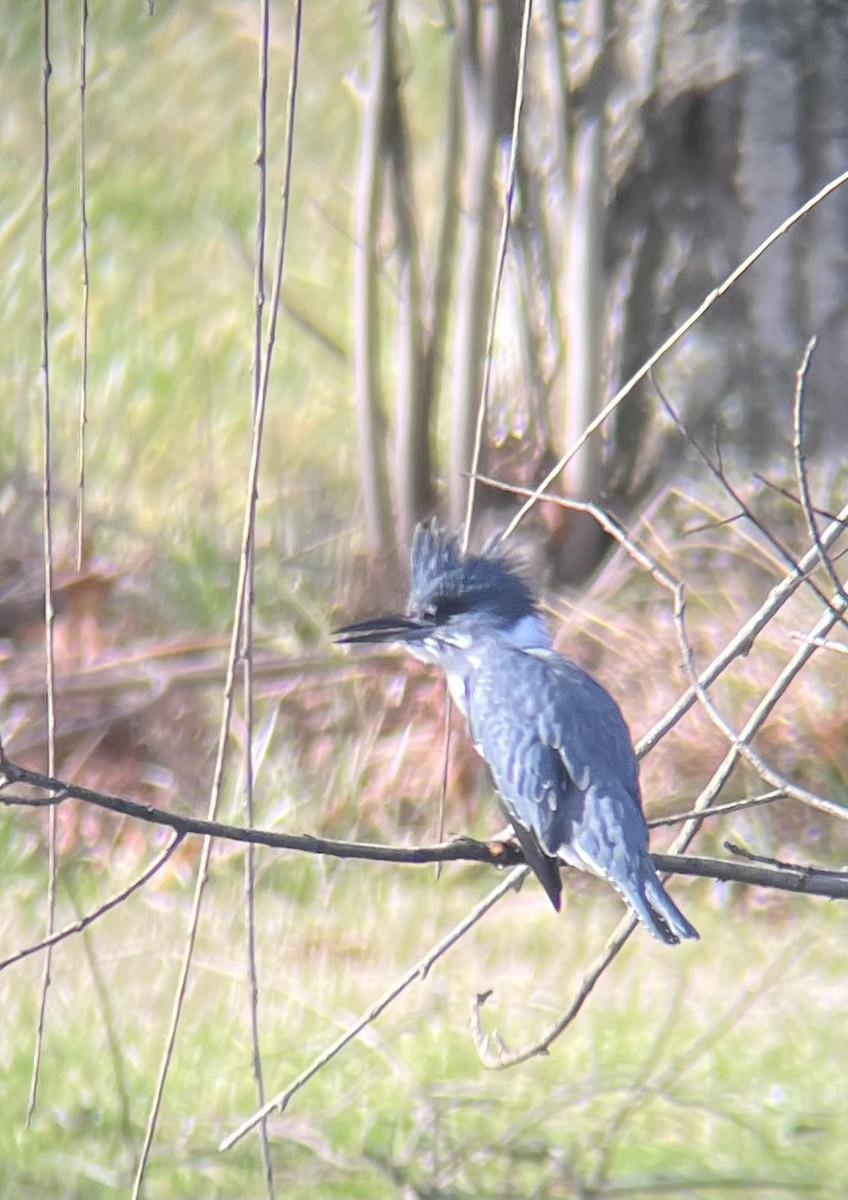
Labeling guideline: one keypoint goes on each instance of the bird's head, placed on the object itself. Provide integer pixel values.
(456, 599)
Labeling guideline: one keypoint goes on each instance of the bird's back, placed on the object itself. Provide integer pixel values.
(534, 714)
(563, 762)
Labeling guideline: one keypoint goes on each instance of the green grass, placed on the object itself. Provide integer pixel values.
(171, 180)
(691, 1068)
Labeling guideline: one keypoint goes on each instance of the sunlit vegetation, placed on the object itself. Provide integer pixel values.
(713, 1070)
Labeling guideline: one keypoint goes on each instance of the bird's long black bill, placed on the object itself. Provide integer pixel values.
(383, 629)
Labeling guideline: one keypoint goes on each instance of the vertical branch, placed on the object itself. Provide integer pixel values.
(83, 395)
(584, 287)
(439, 301)
(801, 467)
(239, 609)
(556, 70)
(501, 259)
(247, 615)
(49, 612)
(366, 346)
(480, 31)
(262, 200)
(107, 1020)
(413, 468)
(671, 341)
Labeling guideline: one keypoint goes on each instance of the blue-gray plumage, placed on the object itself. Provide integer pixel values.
(555, 741)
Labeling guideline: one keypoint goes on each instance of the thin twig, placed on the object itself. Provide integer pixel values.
(418, 971)
(717, 810)
(768, 860)
(482, 408)
(497, 1057)
(241, 591)
(607, 522)
(14, 801)
(801, 467)
(100, 911)
(744, 638)
(443, 789)
(740, 746)
(824, 513)
(671, 341)
(107, 1021)
(805, 880)
(745, 510)
(247, 623)
(509, 196)
(47, 545)
(83, 393)
(823, 643)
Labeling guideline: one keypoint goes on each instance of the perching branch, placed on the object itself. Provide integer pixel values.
(495, 1055)
(807, 880)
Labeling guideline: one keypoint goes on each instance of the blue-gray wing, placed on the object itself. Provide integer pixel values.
(563, 762)
(548, 732)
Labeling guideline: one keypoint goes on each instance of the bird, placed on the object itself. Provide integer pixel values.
(556, 743)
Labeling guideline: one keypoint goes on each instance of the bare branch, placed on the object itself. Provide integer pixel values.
(47, 548)
(806, 880)
(492, 1052)
(506, 219)
(369, 415)
(717, 471)
(826, 513)
(719, 809)
(101, 910)
(801, 467)
(607, 522)
(740, 746)
(495, 853)
(463, 849)
(247, 616)
(418, 971)
(823, 643)
(671, 341)
(84, 323)
(245, 558)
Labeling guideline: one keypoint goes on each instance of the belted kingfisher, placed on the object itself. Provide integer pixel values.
(555, 741)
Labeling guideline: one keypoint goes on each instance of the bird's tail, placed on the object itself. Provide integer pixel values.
(656, 909)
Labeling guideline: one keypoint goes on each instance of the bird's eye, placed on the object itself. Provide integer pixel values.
(450, 606)
(440, 611)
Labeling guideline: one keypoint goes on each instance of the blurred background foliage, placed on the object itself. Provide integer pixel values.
(674, 137)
